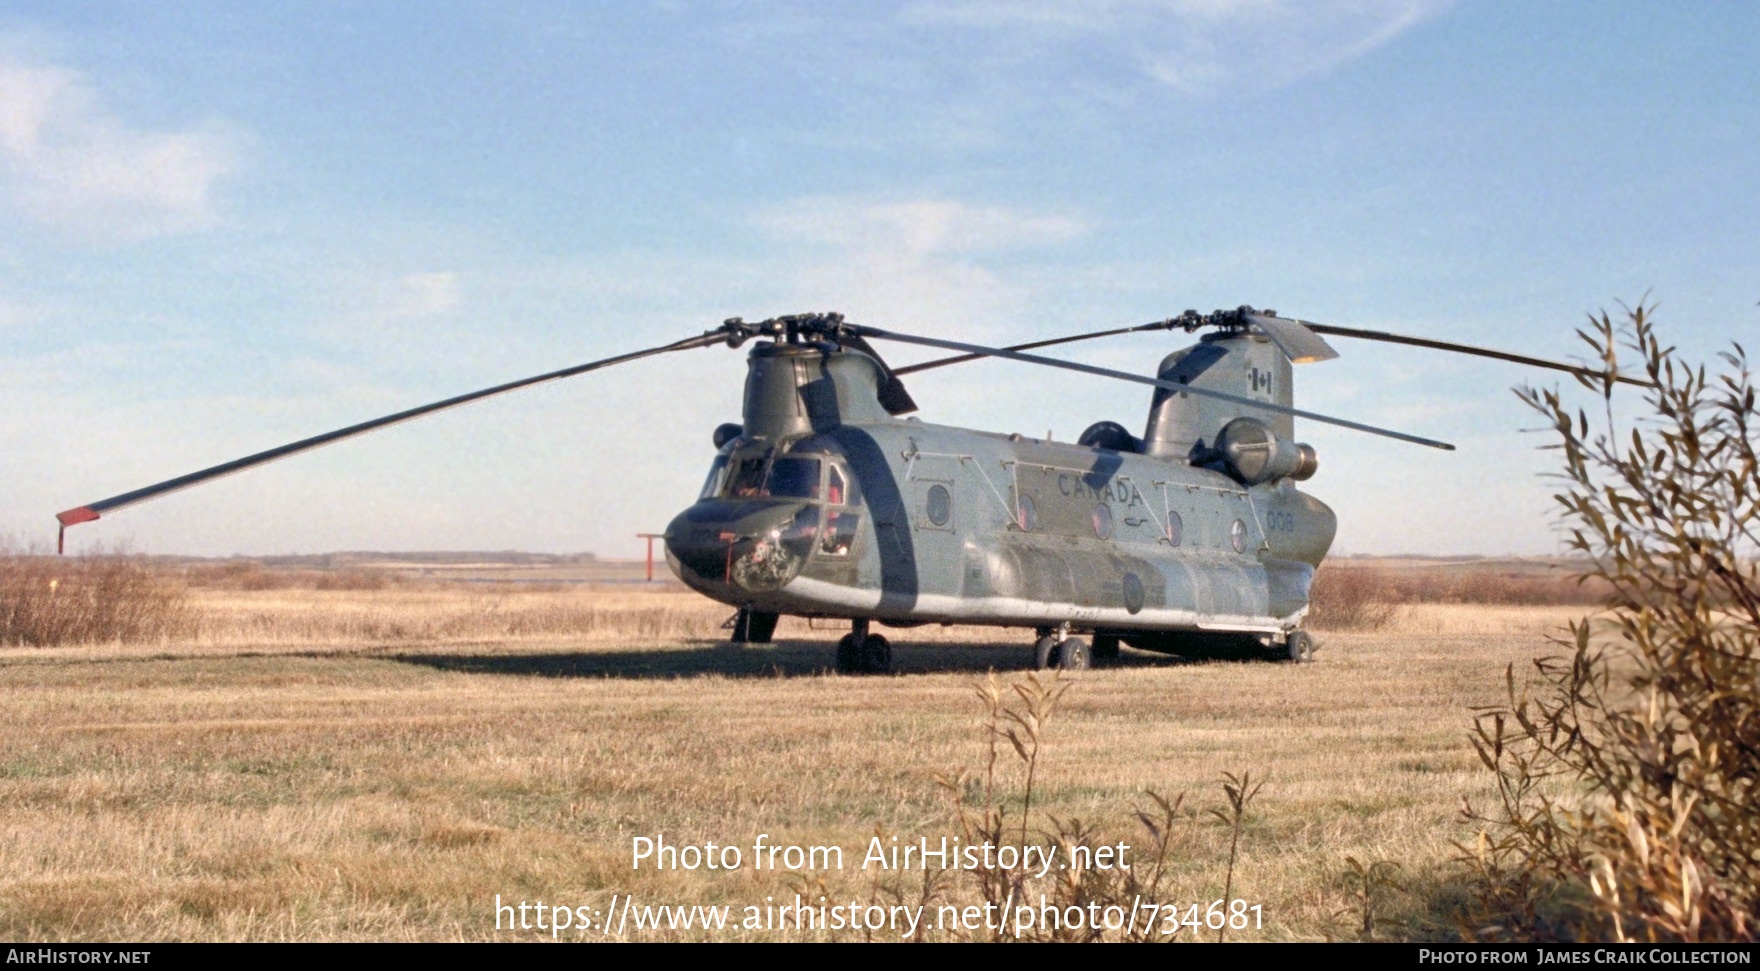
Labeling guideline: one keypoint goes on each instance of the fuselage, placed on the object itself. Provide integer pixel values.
(871, 516)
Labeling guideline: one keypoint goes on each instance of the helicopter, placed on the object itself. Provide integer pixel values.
(829, 499)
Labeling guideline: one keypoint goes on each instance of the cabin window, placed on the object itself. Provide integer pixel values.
(794, 477)
(1175, 527)
(1026, 514)
(717, 476)
(939, 505)
(1237, 535)
(1103, 520)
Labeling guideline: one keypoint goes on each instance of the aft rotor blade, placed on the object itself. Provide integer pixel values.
(1295, 338)
(1435, 345)
(91, 511)
(983, 351)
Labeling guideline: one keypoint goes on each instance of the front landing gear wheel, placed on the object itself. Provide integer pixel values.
(1299, 647)
(849, 655)
(876, 655)
(863, 654)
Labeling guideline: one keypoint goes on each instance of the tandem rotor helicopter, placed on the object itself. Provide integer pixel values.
(825, 502)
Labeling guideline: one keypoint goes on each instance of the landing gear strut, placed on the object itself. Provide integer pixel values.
(860, 652)
(753, 626)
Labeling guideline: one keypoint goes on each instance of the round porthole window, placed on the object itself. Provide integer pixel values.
(1026, 515)
(1133, 593)
(940, 505)
(1175, 528)
(1103, 520)
(1237, 534)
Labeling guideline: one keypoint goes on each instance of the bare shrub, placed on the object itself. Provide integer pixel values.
(1351, 598)
(1626, 776)
(47, 600)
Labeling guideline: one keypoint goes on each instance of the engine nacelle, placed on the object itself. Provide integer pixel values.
(1255, 454)
(1112, 435)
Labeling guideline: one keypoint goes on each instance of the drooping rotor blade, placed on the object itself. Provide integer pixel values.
(92, 511)
(983, 351)
(1435, 345)
(1295, 338)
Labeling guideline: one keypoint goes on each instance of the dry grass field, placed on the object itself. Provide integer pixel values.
(322, 764)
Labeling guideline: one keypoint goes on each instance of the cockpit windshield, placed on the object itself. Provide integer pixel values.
(794, 477)
(747, 480)
(787, 476)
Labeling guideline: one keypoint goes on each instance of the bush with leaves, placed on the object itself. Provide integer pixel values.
(1627, 770)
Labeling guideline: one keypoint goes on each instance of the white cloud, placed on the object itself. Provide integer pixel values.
(1199, 45)
(422, 295)
(67, 162)
(916, 263)
(917, 228)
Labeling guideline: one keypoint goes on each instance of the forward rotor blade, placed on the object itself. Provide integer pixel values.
(1435, 345)
(1295, 338)
(962, 358)
(91, 511)
(982, 351)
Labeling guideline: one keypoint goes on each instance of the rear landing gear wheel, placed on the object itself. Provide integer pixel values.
(1073, 655)
(1299, 647)
(1069, 654)
(1045, 652)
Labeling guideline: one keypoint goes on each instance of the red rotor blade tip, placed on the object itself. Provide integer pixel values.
(72, 517)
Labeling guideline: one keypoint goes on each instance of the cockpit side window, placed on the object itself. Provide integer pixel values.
(834, 491)
(717, 476)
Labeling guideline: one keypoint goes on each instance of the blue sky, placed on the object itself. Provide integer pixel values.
(227, 226)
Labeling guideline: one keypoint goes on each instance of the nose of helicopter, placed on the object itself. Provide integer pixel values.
(735, 548)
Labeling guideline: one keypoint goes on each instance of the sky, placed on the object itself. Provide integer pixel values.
(227, 226)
